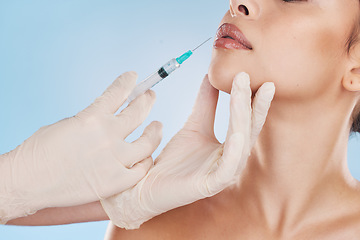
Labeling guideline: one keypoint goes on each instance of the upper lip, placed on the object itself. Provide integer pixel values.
(231, 31)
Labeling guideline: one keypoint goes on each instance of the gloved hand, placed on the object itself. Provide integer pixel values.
(194, 165)
(83, 158)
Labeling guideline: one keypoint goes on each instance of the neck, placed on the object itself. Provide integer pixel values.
(298, 164)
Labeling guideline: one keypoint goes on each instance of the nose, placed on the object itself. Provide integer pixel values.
(245, 8)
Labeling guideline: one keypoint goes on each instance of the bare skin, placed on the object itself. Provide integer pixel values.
(296, 184)
(223, 217)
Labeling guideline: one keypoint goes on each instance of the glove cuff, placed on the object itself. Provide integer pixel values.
(10, 210)
(11, 204)
(126, 209)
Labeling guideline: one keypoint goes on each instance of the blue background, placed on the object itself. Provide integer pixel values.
(56, 57)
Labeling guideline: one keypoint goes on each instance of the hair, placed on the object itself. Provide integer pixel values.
(355, 127)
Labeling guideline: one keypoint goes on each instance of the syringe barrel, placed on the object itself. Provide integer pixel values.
(154, 79)
(170, 66)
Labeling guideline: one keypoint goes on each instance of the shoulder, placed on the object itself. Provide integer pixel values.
(175, 224)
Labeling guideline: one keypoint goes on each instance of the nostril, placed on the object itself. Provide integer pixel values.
(243, 9)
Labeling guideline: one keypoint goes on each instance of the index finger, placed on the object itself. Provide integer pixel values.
(115, 95)
(240, 107)
(203, 114)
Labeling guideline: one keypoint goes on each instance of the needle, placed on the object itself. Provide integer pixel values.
(201, 44)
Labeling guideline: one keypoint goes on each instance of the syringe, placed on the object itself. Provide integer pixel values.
(162, 73)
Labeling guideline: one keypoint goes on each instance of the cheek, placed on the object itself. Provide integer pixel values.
(305, 64)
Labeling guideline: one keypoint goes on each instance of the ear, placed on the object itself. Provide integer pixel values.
(351, 80)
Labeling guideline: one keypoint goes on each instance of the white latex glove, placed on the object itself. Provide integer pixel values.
(83, 158)
(194, 165)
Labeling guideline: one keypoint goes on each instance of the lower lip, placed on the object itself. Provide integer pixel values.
(228, 43)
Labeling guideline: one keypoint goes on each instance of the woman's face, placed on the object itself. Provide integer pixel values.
(298, 45)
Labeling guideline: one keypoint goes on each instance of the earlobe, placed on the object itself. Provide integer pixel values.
(351, 80)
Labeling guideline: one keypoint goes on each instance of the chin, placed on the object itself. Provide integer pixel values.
(221, 76)
(216, 80)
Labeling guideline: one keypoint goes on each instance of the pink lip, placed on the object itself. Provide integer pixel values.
(230, 37)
